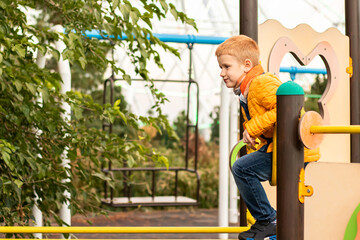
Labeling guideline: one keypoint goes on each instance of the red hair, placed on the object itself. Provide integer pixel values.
(241, 47)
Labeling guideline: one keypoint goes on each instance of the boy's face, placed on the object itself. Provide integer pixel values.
(231, 69)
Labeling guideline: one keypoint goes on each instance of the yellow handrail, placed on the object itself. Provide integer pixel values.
(175, 229)
(335, 129)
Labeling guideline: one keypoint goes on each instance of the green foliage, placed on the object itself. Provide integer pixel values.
(317, 89)
(215, 126)
(35, 138)
(180, 125)
(140, 182)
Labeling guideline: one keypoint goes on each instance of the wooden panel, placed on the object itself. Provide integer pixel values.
(334, 148)
(336, 195)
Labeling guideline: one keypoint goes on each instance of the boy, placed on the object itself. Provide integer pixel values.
(238, 58)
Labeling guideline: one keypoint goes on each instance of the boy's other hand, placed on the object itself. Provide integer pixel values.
(249, 140)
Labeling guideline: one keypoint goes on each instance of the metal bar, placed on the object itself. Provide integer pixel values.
(151, 204)
(197, 127)
(294, 69)
(153, 185)
(197, 188)
(352, 30)
(290, 160)
(242, 216)
(103, 128)
(176, 184)
(111, 79)
(149, 169)
(188, 109)
(129, 185)
(223, 193)
(249, 18)
(156, 80)
(111, 102)
(174, 38)
(174, 229)
(335, 129)
(248, 26)
(125, 191)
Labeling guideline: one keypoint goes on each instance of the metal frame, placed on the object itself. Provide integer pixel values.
(128, 171)
(248, 24)
(176, 229)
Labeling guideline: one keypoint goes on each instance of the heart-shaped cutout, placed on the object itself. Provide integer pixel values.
(285, 45)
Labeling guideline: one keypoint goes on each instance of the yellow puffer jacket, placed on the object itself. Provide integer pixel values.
(261, 102)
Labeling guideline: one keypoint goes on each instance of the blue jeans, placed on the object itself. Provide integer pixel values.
(248, 172)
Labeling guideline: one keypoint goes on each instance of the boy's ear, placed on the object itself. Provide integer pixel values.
(248, 65)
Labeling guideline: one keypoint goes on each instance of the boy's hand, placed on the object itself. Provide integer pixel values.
(249, 140)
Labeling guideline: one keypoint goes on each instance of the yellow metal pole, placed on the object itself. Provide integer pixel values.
(175, 229)
(335, 129)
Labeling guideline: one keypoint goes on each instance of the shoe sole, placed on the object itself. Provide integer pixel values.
(266, 238)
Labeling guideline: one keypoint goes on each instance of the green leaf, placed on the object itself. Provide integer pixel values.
(1, 58)
(77, 111)
(174, 13)
(191, 22)
(161, 160)
(147, 20)
(73, 37)
(19, 50)
(18, 183)
(56, 54)
(123, 117)
(164, 5)
(101, 176)
(117, 103)
(97, 16)
(3, 5)
(134, 17)
(44, 94)
(127, 78)
(7, 160)
(18, 85)
(125, 10)
(31, 88)
(83, 62)
(130, 161)
(156, 127)
(25, 109)
(41, 48)
(115, 3)
(2, 110)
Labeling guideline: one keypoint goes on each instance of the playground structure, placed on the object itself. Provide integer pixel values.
(333, 47)
(336, 110)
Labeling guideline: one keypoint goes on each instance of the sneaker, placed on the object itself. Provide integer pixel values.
(259, 231)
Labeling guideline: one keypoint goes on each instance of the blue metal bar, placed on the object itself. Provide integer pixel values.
(294, 69)
(192, 39)
(175, 38)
